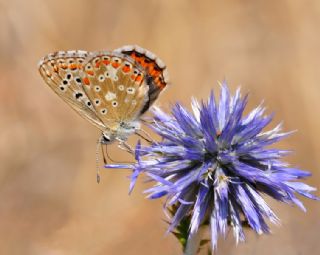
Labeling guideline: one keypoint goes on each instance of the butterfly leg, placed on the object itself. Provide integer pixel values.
(151, 122)
(143, 137)
(104, 153)
(124, 146)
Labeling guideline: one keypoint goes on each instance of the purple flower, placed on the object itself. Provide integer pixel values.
(214, 164)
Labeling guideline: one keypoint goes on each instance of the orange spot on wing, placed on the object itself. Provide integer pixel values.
(55, 68)
(126, 69)
(137, 59)
(150, 68)
(155, 73)
(162, 85)
(138, 78)
(64, 66)
(106, 62)
(86, 81)
(98, 64)
(73, 66)
(115, 64)
(133, 55)
(90, 73)
(159, 82)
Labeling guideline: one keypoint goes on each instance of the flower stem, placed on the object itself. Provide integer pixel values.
(193, 243)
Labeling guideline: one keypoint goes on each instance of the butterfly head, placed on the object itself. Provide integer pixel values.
(107, 138)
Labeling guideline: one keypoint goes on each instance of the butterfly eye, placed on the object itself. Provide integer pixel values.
(80, 61)
(70, 61)
(105, 58)
(65, 82)
(130, 90)
(96, 101)
(114, 103)
(121, 87)
(63, 88)
(97, 88)
(103, 111)
(78, 80)
(88, 67)
(78, 95)
(101, 78)
(88, 103)
(69, 76)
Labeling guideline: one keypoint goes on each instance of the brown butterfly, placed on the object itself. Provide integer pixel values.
(111, 89)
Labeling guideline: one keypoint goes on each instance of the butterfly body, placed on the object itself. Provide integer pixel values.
(111, 89)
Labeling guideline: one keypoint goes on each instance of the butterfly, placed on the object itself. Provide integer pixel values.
(110, 89)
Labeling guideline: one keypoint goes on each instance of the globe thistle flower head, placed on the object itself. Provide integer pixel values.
(214, 163)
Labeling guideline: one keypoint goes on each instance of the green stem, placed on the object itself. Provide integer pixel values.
(193, 243)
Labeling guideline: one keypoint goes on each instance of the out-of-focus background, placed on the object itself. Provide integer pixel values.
(49, 200)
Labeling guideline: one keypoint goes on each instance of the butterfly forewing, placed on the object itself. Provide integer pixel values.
(63, 72)
(110, 89)
(116, 87)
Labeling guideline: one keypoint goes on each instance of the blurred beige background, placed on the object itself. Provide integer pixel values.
(49, 201)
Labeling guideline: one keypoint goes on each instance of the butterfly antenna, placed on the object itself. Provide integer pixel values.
(97, 160)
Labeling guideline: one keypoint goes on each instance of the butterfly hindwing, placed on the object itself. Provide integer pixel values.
(63, 72)
(116, 86)
(156, 75)
(110, 89)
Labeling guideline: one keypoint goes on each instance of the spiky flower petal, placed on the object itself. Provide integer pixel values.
(215, 163)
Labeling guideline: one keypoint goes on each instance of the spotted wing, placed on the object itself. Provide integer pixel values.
(156, 75)
(116, 86)
(62, 71)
